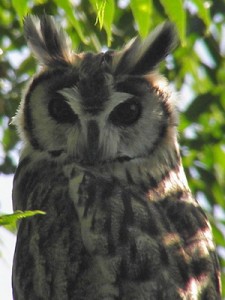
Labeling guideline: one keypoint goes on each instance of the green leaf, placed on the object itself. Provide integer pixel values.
(12, 218)
(100, 7)
(69, 9)
(21, 8)
(142, 11)
(9, 139)
(108, 19)
(200, 105)
(177, 14)
(217, 234)
(105, 10)
(203, 11)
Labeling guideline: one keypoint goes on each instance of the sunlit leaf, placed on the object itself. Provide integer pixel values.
(203, 10)
(199, 105)
(21, 7)
(108, 19)
(70, 14)
(223, 285)
(9, 139)
(100, 7)
(218, 235)
(142, 11)
(27, 66)
(218, 194)
(105, 10)
(17, 215)
(177, 14)
(11, 219)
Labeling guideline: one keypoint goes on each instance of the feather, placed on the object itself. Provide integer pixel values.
(50, 44)
(140, 57)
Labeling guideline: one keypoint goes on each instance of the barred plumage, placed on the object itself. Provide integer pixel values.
(101, 158)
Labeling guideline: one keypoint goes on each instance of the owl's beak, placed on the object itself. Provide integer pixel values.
(92, 152)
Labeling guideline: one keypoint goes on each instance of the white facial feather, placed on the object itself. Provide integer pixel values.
(114, 141)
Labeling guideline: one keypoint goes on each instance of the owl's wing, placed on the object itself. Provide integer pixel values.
(48, 246)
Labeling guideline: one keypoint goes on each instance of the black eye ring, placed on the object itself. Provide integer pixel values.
(126, 113)
(60, 110)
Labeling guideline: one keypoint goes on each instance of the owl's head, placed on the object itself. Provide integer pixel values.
(97, 109)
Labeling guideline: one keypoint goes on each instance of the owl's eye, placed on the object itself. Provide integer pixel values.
(60, 110)
(126, 113)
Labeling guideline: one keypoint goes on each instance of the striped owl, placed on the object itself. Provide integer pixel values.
(100, 156)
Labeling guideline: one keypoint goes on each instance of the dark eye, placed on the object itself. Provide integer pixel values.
(60, 110)
(126, 113)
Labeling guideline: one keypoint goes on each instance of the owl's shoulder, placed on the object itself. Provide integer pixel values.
(37, 175)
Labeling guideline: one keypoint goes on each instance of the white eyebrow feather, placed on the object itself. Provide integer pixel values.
(73, 97)
(115, 99)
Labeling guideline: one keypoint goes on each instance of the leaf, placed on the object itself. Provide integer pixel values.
(200, 105)
(108, 19)
(21, 7)
(100, 6)
(17, 215)
(203, 11)
(69, 9)
(177, 14)
(27, 66)
(105, 10)
(217, 233)
(9, 139)
(142, 11)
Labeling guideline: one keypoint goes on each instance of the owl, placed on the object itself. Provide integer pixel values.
(101, 157)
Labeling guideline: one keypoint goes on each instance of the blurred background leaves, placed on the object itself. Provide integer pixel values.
(196, 69)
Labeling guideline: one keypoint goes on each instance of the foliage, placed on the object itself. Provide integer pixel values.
(9, 221)
(196, 69)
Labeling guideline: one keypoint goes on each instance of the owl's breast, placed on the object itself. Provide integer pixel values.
(100, 239)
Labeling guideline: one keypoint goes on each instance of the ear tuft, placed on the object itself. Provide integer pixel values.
(141, 57)
(49, 43)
